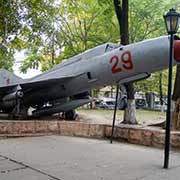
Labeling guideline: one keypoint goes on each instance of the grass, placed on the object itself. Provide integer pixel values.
(142, 116)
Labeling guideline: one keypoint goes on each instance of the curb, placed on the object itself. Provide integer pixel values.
(136, 134)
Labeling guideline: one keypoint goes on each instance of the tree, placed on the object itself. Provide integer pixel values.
(9, 26)
(25, 24)
(84, 24)
(78, 26)
(157, 83)
(40, 34)
(121, 8)
(146, 22)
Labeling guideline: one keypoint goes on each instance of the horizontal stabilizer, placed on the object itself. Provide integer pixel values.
(8, 78)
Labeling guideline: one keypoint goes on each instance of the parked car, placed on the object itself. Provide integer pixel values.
(157, 106)
(101, 105)
(141, 103)
(109, 103)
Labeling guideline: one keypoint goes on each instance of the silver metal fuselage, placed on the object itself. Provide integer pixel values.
(146, 57)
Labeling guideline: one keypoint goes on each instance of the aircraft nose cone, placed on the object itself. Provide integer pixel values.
(177, 50)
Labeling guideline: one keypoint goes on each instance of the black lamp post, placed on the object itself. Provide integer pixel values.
(172, 20)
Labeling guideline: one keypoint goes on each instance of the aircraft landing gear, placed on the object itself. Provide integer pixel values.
(70, 115)
(19, 111)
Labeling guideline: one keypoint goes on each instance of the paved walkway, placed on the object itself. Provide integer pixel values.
(72, 158)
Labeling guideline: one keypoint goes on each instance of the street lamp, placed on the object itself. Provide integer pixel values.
(172, 20)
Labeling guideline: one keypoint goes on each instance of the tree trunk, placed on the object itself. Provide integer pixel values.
(122, 16)
(121, 8)
(152, 99)
(175, 124)
(130, 111)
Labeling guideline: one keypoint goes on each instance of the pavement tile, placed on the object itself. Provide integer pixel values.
(6, 166)
(24, 174)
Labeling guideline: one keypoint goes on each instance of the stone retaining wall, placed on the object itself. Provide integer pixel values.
(149, 136)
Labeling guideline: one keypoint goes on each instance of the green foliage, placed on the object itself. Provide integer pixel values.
(70, 28)
(6, 58)
(84, 24)
(152, 83)
(26, 24)
(9, 25)
(146, 21)
(32, 61)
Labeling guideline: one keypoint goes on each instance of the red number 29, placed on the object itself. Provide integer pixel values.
(126, 62)
(115, 68)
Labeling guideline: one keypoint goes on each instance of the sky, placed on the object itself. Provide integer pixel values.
(19, 57)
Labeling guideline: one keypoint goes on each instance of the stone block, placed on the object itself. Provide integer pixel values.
(175, 139)
(6, 128)
(146, 137)
(108, 130)
(81, 129)
(97, 130)
(135, 136)
(23, 127)
(121, 133)
(53, 127)
(158, 138)
(41, 127)
(66, 128)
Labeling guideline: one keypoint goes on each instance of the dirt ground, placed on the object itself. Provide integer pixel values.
(144, 117)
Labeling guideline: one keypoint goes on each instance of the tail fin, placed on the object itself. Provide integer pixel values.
(7, 78)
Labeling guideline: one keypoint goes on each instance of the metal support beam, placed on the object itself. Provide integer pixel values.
(115, 109)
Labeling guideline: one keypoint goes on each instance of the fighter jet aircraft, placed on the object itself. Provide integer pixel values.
(65, 87)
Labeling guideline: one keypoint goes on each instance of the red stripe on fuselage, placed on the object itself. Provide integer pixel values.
(177, 50)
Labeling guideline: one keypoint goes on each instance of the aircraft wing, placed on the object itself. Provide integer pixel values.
(33, 85)
(45, 83)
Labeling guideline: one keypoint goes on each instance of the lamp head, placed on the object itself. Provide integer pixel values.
(172, 21)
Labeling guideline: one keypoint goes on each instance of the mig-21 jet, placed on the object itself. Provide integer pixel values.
(65, 87)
